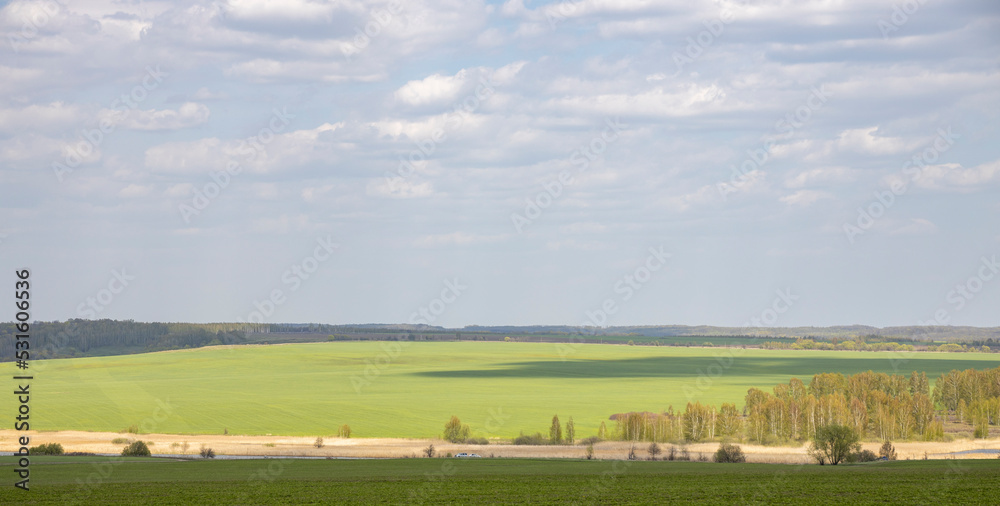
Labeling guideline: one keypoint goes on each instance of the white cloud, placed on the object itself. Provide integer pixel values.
(51, 117)
(822, 176)
(286, 151)
(953, 177)
(867, 140)
(399, 188)
(916, 226)
(188, 115)
(459, 239)
(134, 191)
(434, 89)
(805, 197)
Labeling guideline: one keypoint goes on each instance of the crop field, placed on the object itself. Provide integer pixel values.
(88, 480)
(390, 389)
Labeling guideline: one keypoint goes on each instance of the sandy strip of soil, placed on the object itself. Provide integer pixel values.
(101, 442)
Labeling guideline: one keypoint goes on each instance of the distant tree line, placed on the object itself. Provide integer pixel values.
(874, 405)
(860, 344)
(80, 337)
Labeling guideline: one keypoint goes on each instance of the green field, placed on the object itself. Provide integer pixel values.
(498, 388)
(90, 480)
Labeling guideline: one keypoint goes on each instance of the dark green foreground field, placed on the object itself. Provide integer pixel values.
(63, 480)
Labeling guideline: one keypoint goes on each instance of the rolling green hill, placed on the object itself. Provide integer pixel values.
(498, 388)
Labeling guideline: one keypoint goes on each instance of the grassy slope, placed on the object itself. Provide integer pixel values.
(433, 481)
(306, 389)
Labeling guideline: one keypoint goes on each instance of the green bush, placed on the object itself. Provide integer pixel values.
(477, 441)
(730, 453)
(47, 449)
(862, 456)
(531, 439)
(121, 441)
(136, 449)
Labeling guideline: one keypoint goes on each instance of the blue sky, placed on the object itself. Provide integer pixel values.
(459, 163)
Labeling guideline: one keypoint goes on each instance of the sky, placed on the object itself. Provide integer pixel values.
(591, 162)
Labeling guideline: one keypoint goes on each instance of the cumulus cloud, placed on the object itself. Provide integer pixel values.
(954, 177)
(805, 197)
(187, 115)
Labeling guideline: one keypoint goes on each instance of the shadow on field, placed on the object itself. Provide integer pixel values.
(672, 367)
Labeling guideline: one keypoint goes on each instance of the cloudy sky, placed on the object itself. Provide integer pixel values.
(461, 162)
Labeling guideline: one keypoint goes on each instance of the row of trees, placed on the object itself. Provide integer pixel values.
(860, 345)
(80, 337)
(873, 405)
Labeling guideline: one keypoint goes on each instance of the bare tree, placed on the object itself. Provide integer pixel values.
(654, 450)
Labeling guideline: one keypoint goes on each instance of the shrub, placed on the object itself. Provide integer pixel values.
(136, 449)
(477, 441)
(887, 451)
(429, 451)
(534, 439)
(672, 453)
(631, 453)
(653, 450)
(318, 443)
(121, 441)
(589, 453)
(862, 456)
(730, 454)
(47, 449)
(131, 429)
(345, 431)
(592, 440)
(207, 453)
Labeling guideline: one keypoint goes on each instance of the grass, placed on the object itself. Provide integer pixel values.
(498, 388)
(86, 480)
